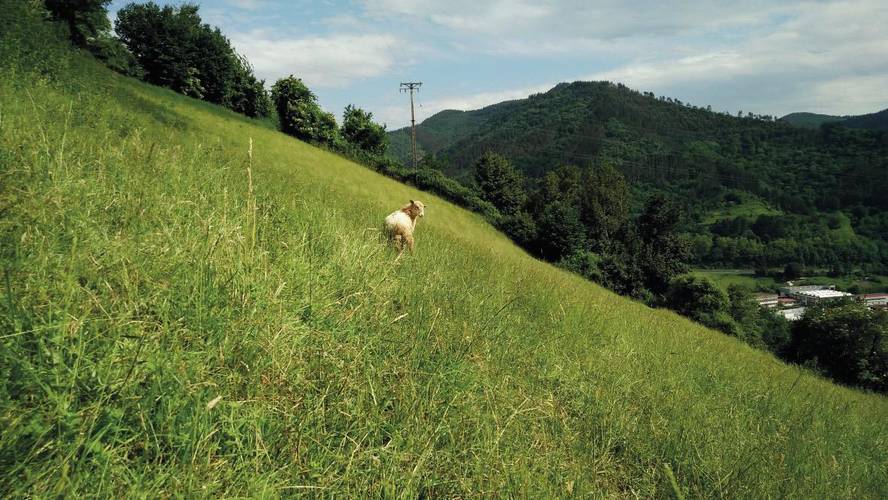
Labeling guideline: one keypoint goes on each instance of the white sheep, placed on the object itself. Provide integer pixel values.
(400, 224)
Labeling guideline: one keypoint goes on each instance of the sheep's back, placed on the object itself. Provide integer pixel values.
(398, 222)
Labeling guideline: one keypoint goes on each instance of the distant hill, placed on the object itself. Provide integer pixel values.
(442, 129)
(661, 141)
(719, 166)
(810, 120)
(871, 121)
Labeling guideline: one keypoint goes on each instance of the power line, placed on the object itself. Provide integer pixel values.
(412, 87)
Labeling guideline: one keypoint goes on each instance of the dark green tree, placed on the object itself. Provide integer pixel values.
(560, 232)
(556, 210)
(359, 130)
(621, 273)
(300, 115)
(848, 342)
(700, 300)
(663, 251)
(604, 204)
(86, 19)
(162, 40)
(177, 50)
(793, 270)
(500, 183)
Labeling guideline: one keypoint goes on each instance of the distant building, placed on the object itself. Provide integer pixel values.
(814, 294)
(768, 300)
(784, 302)
(875, 300)
(793, 314)
(790, 290)
(820, 296)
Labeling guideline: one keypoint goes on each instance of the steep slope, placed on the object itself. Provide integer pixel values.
(194, 305)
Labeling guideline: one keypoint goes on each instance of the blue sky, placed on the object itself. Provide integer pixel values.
(767, 57)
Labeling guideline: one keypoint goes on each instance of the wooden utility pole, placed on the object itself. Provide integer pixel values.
(412, 87)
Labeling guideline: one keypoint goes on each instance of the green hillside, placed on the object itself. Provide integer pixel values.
(195, 305)
(441, 130)
(810, 120)
(871, 121)
(709, 162)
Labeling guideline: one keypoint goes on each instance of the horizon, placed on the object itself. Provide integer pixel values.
(768, 58)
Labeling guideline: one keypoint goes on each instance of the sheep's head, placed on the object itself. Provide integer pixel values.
(414, 209)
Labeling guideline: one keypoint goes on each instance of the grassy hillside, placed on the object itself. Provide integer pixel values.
(181, 317)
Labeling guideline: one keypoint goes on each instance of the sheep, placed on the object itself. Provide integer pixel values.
(400, 224)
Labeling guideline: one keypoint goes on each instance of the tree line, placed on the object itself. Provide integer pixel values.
(580, 220)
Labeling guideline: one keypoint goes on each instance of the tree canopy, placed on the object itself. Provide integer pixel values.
(359, 129)
(177, 50)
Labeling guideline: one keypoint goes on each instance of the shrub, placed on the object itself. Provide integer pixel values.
(359, 130)
(301, 116)
(700, 300)
(848, 342)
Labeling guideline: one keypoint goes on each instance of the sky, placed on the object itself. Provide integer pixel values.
(762, 56)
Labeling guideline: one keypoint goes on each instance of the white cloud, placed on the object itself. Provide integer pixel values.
(246, 4)
(829, 57)
(475, 101)
(330, 61)
(859, 94)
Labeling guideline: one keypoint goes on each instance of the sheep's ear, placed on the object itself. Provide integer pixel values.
(412, 202)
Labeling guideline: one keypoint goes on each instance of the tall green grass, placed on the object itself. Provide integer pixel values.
(160, 336)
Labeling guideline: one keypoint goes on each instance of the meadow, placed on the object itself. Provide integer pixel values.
(196, 305)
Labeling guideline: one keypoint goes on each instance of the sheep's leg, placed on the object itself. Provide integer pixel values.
(398, 244)
(409, 239)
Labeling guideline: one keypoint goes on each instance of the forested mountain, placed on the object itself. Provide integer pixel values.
(753, 188)
(871, 121)
(811, 120)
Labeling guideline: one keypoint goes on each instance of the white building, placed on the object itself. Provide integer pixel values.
(814, 294)
(875, 300)
(793, 314)
(768, 300)
(818, 296)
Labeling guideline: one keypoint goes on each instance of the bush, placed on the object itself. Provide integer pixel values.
(700, 300)
(519, 226)
(586, 264)
(116, 56)
(848, 342)
(301, 116)
(500, 183)
(360, 131)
